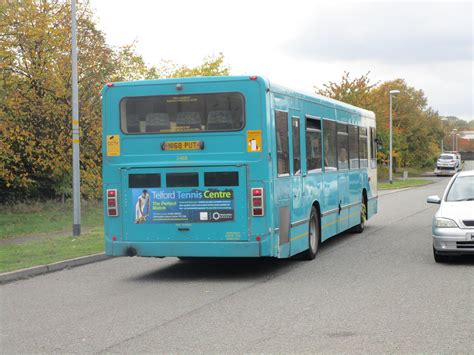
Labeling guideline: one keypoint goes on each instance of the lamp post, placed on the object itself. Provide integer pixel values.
(390, 177)
(454, 133)
(444, 119)
(76, 178)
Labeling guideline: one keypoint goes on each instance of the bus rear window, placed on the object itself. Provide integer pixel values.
(182, 113)
(182, 180)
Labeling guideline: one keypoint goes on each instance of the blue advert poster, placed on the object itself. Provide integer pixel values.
(169, 205)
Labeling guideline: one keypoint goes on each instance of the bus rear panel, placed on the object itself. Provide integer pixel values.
(183, 157)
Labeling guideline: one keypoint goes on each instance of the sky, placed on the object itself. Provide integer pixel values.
(303, 44)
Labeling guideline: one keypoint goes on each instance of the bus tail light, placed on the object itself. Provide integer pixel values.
(112, 205)
(257, 201)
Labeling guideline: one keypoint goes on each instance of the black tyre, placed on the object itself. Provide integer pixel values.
(440, 258)
(363, 217)
(314, 238)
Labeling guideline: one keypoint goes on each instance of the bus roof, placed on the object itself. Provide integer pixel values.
(304, 95)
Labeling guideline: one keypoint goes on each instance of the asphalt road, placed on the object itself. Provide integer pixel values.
(379, 291)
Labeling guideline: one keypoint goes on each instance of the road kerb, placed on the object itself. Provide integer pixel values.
(392, 191)
(382, 192)
(44, 269)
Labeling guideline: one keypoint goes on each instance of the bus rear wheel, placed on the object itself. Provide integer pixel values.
(363, 216)
(314, 238)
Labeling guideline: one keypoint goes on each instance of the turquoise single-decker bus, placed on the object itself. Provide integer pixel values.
(232, 167)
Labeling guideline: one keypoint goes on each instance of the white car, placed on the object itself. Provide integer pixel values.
(448, 164)
(453, 224)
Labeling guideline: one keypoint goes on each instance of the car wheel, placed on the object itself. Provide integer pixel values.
(440, 258)
(314, 238)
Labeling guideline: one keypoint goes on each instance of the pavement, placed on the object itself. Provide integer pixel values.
(392, 191)
(57, 266)
(379, 291)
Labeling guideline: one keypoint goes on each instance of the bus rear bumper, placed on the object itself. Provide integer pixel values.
(244, 249)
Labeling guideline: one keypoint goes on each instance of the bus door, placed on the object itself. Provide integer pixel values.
(282, 188)
(298, 212)
(343, 176)
(330, 196)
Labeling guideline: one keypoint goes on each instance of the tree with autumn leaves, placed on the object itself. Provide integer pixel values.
(35, 95)
(417, 128)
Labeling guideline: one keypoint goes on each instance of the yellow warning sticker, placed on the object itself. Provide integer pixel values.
(254, 141)
(113, 145)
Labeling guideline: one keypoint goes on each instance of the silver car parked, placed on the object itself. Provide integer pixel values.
(453, 224)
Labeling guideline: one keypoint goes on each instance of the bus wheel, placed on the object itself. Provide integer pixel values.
(313, 236)
(363, 216)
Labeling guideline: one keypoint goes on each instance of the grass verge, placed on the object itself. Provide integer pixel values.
(45, 217)
(46, 251)
(382, 172)
(399, 184)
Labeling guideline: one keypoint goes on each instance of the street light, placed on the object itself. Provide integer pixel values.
(454, 133)
(444, 119)
(76, 174)
(390, 177)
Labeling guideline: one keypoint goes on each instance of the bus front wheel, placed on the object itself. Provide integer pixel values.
(313, 236)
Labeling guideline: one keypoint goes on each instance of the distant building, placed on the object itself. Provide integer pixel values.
(466, 141)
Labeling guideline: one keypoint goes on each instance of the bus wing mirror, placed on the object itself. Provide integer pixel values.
(379, 143)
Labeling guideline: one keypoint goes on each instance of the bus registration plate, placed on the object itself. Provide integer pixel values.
(182, 145)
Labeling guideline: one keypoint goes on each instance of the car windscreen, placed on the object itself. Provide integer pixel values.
(446, 156)
(182, 113)
(462, 189)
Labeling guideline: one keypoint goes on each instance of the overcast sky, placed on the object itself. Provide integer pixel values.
(302, 44)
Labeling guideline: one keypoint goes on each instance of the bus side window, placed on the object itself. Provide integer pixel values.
(342, 147)
(313, 145)
(295, 126)
(281, 127)
(330, 149)
(353, 147)
(363, 153)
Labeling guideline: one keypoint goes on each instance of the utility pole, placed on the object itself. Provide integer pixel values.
(76, 174)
